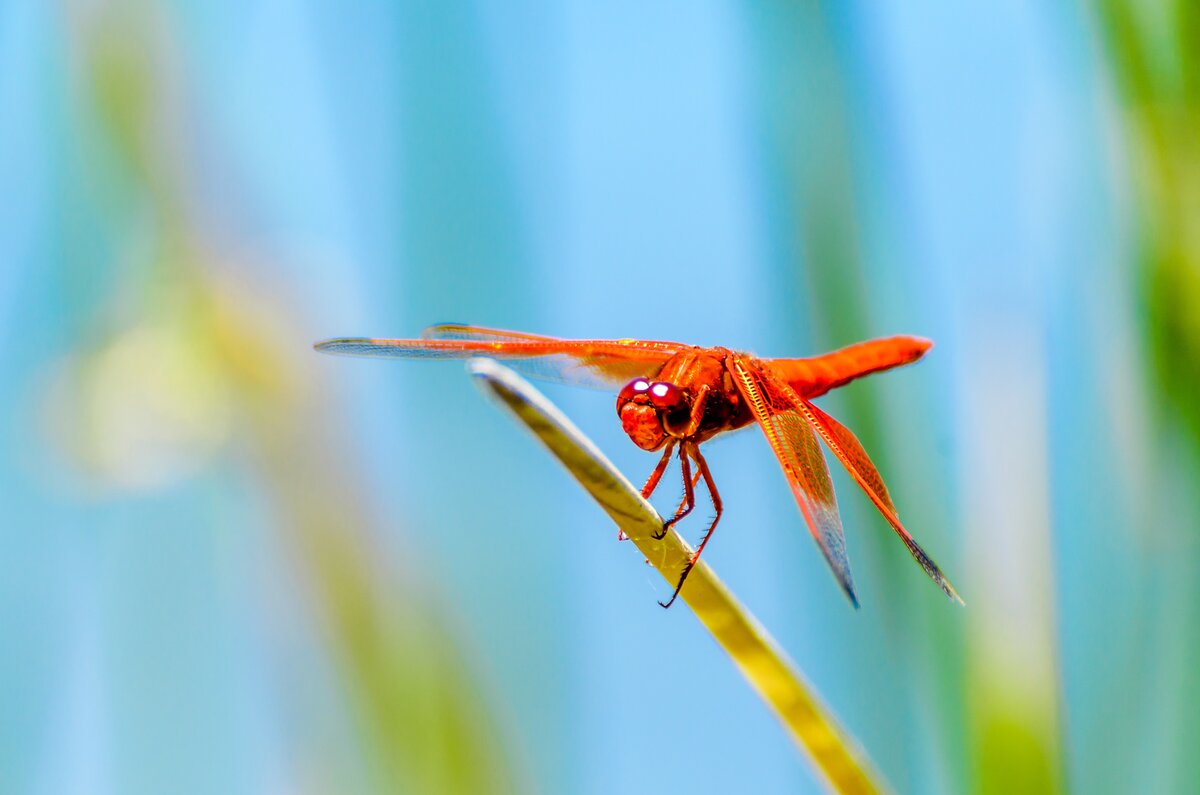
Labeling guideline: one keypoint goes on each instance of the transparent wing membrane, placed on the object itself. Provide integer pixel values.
(458, 331)
(799, 453)
(598, 364)
(850, 452)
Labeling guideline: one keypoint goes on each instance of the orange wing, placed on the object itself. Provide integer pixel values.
(791, 436)
(817, 375)
(850, 452)
(599, 364)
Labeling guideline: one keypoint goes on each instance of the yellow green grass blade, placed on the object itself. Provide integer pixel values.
(835, 754)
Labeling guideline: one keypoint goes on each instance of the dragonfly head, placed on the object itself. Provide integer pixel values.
(645, 408)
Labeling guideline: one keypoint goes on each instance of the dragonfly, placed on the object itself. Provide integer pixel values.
(673, 397)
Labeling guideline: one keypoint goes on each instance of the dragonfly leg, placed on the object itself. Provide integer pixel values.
(652, 481)
(656, 475)
(689, 493)
(679, 510)
(683, 501)
(702, 465)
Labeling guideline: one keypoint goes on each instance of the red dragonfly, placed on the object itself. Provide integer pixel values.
(674, 397)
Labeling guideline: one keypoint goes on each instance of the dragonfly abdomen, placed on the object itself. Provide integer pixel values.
(817, 375)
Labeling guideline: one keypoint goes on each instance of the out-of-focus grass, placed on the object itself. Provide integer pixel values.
(422, 718)
(426, 727)
(1155, 55)
(990, 737)
(834, 753)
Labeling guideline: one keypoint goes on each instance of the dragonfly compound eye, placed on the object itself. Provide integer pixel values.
(665, 396)
(638, 386)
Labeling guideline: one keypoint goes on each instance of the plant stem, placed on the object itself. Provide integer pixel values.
(835, 754)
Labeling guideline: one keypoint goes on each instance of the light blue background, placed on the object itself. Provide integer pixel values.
(583, 170)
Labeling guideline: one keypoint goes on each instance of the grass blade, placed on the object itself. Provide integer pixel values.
(768, 670)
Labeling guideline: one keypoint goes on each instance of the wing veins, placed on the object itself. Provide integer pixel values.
(846, 447)
(799, 454)
(601, 364)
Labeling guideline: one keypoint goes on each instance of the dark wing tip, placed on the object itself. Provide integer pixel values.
(839, 564)
(340, 345)
(436, 330)
(932, 570)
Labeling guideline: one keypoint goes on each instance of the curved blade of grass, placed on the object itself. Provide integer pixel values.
(765, 666)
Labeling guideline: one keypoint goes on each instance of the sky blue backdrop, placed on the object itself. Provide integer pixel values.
(582, 170)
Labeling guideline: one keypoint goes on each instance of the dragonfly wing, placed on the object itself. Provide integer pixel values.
(459, 331)
(795, 444)
(850, 452)
(598, 364)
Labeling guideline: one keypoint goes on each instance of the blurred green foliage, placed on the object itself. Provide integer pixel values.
(478, 200)
(999, 744)
(1153, 52)
(423, 721)
(1155, 60)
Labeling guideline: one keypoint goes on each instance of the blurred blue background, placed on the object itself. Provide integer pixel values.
(232, 565)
